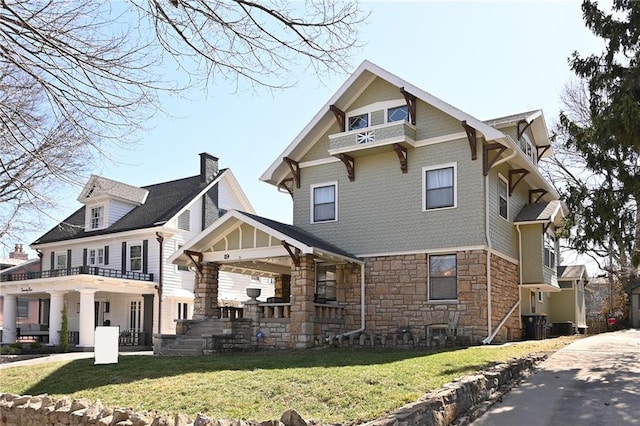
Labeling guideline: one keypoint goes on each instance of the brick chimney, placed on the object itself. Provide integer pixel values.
(18, 253)
(208, 167)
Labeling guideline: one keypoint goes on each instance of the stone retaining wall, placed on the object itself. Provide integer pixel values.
(456, 403)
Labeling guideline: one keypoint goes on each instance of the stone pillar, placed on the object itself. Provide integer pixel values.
(87, 318)
(302, 307)
(282, 287)
(9, 309)
(56, 305)
(206, 293)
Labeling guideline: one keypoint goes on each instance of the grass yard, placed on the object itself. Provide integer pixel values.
(332, 385)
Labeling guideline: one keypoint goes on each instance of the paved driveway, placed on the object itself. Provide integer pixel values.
(594, 381)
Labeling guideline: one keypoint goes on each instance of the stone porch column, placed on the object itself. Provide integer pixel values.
(87, 317)
(56, 304)
(9, 309)
(282, 287)
(206, 293)
(302, 307)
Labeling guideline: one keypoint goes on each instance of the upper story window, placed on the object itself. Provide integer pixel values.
(324, 202)
(357, 122)
(439, 187)
(443, 277)
(97, 217)
(549, 250)
(135, 257)
(503, 197)
(61, 261)
(527, 148)
(96, 256)
(184, 221)
(400, 113)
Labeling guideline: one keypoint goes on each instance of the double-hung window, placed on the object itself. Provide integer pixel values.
(325, 282)
(503, 198)
(96, 256)
(549, 250)
(97, 217)
(439, 187)
(61, 261)
(135, 257)
(324, 202)
(443, 277)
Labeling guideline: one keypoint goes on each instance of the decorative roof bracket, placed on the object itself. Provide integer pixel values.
(522, 127)
(295, 170)
(542, 149)
(512, 185)
(488, 163)
(295, 253)
(411, 104)
(340, 116)
(472, 137)
(287, 185)
(196, 258)
(402, 156)
(541, 192)
(350, 164)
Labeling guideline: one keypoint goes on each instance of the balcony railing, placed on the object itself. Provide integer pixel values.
(79, 270)
(383, 134)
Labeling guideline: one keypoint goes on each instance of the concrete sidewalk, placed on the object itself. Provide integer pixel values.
(70, 356)
(593, 381)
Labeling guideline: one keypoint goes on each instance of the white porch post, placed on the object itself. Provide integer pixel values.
(87, 317)
(56, 304)
(10, 307)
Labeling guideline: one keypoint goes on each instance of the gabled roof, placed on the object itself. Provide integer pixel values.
(534, 118)
(20, 266)
(99, 186)
(552, 211)
(573, 272)
(346, 95)
(164, 201)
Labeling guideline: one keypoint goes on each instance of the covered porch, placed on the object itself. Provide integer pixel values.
(318, 288)
(91, 300)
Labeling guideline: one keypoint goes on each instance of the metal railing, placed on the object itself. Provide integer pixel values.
(79, 270)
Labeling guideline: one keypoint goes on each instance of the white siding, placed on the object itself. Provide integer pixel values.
(226, 198)
(115, 210)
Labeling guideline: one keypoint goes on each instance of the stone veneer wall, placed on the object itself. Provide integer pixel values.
(396, 295)
(504, 295)
(205, 304)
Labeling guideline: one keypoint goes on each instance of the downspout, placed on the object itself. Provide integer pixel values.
(519, 274)
(160, 239)
(487, 230)
(362, 306)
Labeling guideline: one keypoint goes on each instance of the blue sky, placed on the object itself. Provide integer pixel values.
(488, 58)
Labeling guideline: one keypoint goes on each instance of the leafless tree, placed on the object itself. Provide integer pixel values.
(79, 76)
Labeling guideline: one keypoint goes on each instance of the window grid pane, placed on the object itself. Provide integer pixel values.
(440, 188)
(358, 122)
(324, 207)
(443, 277)
(400, 113)
(503, 194)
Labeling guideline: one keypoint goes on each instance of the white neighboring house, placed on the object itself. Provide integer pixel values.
(107, 262)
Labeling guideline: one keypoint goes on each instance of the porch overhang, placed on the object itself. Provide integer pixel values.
(74, 283)
(245, 243)
(548, 288)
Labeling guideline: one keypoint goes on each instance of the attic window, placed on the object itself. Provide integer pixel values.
(360, 121)
(97, 217)
(184, 221)
(400, 113)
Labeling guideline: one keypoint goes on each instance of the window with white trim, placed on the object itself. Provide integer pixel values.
(96, 256)
(399, 113)
(97, 217)
(443, 277)
(439, 187)
(503, 197)
(549, 250)
(325, 282)
(324, 202)
(180, 267)
(357, 122)
(183, 310)
(61, 261)
(135, 257)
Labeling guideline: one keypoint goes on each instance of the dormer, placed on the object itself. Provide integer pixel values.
(106, 201)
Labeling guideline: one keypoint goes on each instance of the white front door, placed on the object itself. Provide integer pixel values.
(135, 315)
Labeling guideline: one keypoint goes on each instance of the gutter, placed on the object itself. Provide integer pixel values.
(362, 307)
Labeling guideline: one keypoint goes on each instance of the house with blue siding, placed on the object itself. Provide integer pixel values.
(108, 261)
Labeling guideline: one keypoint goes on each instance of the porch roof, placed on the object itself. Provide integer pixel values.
(552, 211)
(254, 243)
(573, 272)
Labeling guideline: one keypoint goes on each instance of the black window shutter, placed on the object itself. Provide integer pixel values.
(69, 259)
(84, 257)
(124, 257)
(106, 255)
(145, 246)
(53, 260)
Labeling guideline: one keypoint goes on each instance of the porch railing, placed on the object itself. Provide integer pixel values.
(283, 310)
(79, 270)
(134, 338)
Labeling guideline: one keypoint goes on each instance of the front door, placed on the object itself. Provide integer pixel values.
(135, 316)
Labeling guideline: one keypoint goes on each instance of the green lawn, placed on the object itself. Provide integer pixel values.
(331, 385)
